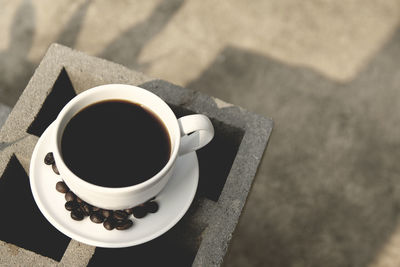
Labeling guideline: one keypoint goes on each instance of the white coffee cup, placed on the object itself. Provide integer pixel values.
(198, 126)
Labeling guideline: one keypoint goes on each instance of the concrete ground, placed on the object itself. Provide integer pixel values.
(328, 72)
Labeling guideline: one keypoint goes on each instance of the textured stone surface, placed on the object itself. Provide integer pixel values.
(227, 165)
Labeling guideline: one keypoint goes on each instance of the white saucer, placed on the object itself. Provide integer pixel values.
(173, 201)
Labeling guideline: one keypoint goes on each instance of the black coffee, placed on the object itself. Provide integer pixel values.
(115, 144)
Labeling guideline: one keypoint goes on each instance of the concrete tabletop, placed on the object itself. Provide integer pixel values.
(227, 169)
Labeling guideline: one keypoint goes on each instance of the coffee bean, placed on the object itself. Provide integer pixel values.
(109, 224)
(96, 217)
(49, 159)
(120, 215)
(69, 196)
(128, 211)
(62, 187)
(70, 205)
(123, 225)
(106, 213)
(55, 170)
(77, 215)
(139, 212)
(79, 200)
(96, 209)
(152, 207)
(86, 208)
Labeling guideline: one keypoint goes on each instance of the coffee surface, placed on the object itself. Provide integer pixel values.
(115, 144)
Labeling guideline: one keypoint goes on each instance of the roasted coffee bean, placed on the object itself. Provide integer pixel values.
(128, 211)
(49, 159)
(152, 206)
(86, 208)
(55, 170)
(96, 217)
(106, 213)
(69, 196)
(62, 187)
(79, 200)
(70, 205)
(120, 215)
(77, 215)
(123, 225)
(109, 224)
(96, 209)
(139, 212)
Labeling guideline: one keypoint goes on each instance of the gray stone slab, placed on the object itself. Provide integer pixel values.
(227, 165)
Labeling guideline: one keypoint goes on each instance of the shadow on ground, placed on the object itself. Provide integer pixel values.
(327, 193)
(16, 69)
(127, 47)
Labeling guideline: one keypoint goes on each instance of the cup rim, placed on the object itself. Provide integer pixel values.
(57, 131)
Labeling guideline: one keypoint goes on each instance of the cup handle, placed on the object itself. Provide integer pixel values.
(196, 132)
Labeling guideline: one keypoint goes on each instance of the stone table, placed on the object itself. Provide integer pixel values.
(228, 166)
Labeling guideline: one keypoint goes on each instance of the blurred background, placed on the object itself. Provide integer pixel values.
(327, 192)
